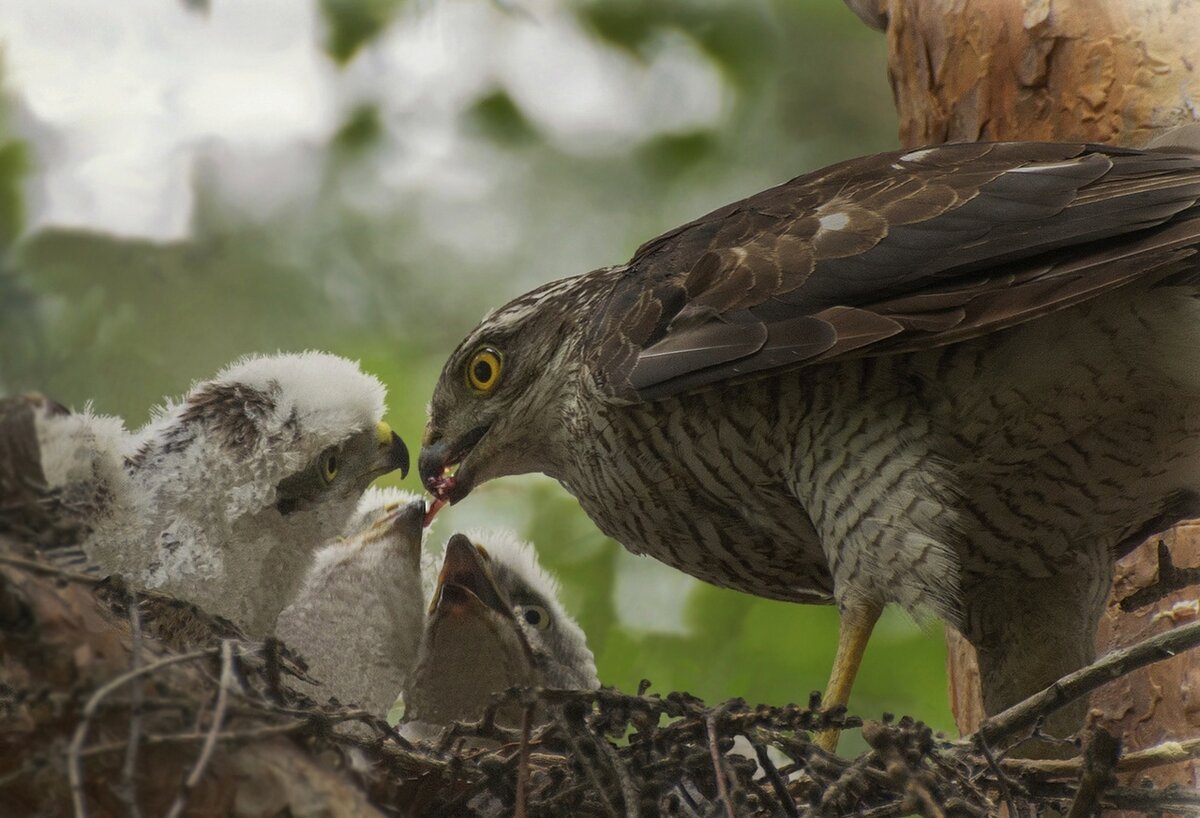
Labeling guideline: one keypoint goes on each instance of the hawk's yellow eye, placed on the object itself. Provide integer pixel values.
(329, 466)
(483, 370)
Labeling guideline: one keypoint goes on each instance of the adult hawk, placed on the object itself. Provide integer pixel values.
(962, 379)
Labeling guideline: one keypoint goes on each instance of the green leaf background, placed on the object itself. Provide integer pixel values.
(91, 317)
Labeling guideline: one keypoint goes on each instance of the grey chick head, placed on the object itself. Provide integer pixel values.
(238, 483)
(358, 616)
(495, 622)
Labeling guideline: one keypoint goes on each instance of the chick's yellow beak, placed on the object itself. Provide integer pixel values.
(393, 452)
(383, 432)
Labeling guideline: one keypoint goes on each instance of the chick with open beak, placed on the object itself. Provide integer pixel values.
(358, 616)
(495, 622)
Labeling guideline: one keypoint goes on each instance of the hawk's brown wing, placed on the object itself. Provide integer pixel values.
(892, 252)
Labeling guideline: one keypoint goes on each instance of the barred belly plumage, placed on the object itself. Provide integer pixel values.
(1016, 455)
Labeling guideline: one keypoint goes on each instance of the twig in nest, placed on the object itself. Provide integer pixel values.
(588, 768)
(1169, 752)
(1099, 758)
(1170, 579)
(50, 570)
(74, 763)
(210, 741)
(1001, 779)
(128, 789)
(718, 769)
(777, 782)
(523, 764)
(629, 793)
(1084, 681)
(154, 740)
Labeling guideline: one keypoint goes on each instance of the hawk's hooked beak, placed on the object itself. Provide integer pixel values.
(394, 452)
(465, 581)
(438, 456)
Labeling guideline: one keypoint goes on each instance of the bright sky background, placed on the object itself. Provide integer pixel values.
(127, 103)
(126, 98)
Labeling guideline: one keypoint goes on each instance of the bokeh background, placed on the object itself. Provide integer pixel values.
(185, 182)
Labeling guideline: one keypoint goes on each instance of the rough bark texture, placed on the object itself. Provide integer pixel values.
(1116, 71)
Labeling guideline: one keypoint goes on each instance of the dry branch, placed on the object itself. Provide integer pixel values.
(1082, 682)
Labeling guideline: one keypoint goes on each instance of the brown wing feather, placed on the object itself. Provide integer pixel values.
(897, 251)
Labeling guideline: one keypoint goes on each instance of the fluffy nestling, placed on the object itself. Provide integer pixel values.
(226, 493)
(358, 615)
(959, 379)
(495, 622)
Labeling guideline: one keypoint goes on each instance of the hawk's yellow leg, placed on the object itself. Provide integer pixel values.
(854, 631)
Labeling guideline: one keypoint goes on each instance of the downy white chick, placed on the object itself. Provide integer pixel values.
(225, 495)
(358, 616)
(495, 622)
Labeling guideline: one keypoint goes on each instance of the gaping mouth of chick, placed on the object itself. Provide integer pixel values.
(464, 576)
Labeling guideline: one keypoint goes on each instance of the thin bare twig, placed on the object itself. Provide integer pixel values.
(1169, 752)
(588, 768)
(1001, 778)
(523, 763)
(128, 788)
(777, 782)
(210, 741)
(1084, 681)
(155, 739)
(49, 570)
(74, 762)
(718, 769)
(629, 793)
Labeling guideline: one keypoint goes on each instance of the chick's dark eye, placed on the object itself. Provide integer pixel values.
(536, 616)
(329, 467)
(482, 371)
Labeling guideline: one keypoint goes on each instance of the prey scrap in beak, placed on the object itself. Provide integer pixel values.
(465, 581)
(438, 458)
(392, 448)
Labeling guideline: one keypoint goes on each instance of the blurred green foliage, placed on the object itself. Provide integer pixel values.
(353, 23)
(362, 129)
(496, 117)
(85, 316)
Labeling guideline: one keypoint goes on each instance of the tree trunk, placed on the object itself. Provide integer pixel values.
(1115, 71)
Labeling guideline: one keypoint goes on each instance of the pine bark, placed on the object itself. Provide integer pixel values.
(1115, 71)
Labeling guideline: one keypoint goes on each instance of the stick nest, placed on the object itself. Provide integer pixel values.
(129, 704)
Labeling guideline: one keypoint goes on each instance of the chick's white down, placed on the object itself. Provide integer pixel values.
(358, 616)
(223, 496)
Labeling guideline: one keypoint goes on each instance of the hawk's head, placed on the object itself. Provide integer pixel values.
(501, 393)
